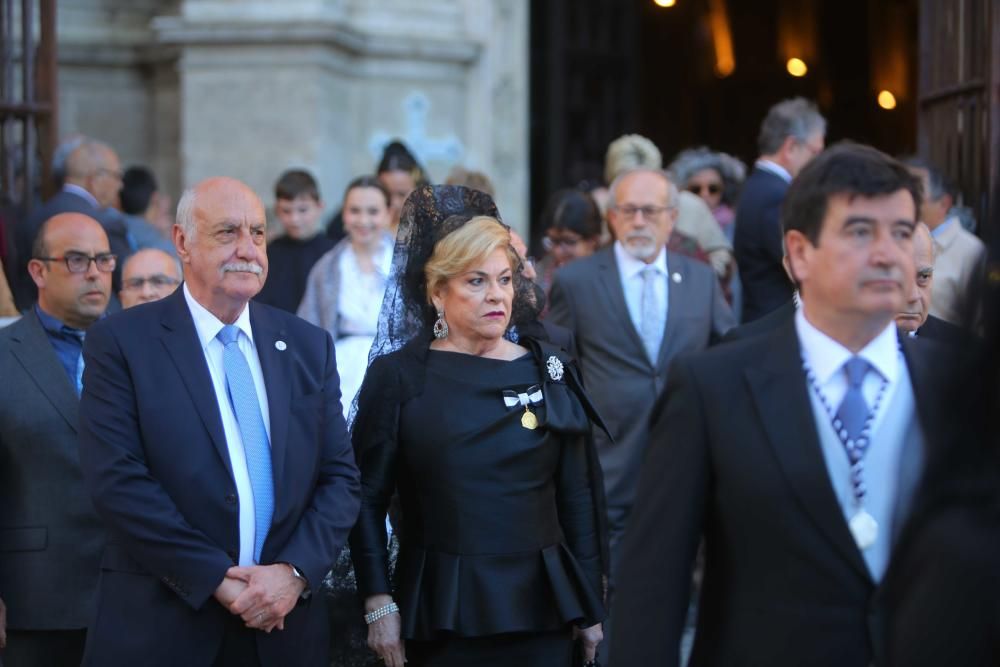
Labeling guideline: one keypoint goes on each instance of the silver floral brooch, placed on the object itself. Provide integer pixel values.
(555, 368)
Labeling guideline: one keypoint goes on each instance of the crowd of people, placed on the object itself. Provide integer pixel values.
(730, 416)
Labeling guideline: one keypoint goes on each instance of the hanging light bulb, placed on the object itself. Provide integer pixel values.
(664, 3)
(796, 67)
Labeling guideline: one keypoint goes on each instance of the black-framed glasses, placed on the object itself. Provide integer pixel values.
(77, 262)
(697, 188)
(157, 281)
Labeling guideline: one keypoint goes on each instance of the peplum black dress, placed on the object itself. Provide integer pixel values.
(500, 540)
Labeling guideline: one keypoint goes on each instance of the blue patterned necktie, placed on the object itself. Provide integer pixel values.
(651, 315)
(853, 410)
(243, 397)
(79, 335)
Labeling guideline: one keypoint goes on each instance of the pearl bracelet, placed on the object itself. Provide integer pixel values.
(381, 612)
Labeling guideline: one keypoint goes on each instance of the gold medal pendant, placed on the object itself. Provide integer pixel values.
(528, 419)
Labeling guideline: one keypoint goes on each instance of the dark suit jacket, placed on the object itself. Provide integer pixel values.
(757, 244)
(154, 455)
(50, 536)
(587, 298)
(764, 324)
(937, 329)
(63, 201)
(735, 457)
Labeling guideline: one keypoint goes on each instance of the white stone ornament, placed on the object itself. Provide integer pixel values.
(280, 345)
(864, 528)
(676, 277)
(555, 368)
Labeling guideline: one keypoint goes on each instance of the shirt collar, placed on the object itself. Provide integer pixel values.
(81, 192)
(630, 266)
(774, 168)
(208, 325)
(53, 324)
(939, 231)
(826, 356)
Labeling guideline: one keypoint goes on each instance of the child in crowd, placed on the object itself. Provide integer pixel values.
(292, 255)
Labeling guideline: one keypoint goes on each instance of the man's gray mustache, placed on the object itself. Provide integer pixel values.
(243, 267)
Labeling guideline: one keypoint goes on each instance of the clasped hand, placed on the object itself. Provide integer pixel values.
(262, 595)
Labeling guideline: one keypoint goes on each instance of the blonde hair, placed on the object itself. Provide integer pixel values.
(470, 244)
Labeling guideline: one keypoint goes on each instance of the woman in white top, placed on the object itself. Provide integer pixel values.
(345, 287)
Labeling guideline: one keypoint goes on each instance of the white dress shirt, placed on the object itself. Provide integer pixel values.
(826, 357)
(208, 326)
(896, 441)
(630, 273)
(774, 168)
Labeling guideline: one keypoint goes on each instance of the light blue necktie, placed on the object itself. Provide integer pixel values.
(651, 320)
(853, 410)
(243, 397)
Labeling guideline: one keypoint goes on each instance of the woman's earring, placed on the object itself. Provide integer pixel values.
(440, 326)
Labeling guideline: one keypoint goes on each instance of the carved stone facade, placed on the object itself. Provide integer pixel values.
(248, 88)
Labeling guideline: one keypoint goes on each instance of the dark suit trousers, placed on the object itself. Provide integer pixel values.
(44, 648)
(239, 645)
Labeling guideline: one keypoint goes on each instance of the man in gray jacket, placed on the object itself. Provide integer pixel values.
(50, 537)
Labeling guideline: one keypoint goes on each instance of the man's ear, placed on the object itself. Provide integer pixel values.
(797, 251)
(181, 243)
(38, 273)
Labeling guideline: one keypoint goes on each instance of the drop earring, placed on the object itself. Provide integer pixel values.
(440, 327)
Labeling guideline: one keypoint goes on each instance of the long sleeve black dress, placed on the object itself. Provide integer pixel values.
(500, 540)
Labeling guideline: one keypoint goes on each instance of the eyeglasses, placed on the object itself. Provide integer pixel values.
(77, 262)
(712, 188)
(564, 242)
(648, 212)
(157, 281)
(117, 175)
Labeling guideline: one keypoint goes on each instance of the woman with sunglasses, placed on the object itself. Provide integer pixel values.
(715, 177)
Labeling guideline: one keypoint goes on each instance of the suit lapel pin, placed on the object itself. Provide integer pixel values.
(280, 345)
(676, 277)
(555, 368)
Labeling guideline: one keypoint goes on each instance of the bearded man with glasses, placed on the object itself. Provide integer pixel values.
(50, 537)
(633, 307)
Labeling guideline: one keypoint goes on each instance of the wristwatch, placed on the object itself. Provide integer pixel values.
(298, 575)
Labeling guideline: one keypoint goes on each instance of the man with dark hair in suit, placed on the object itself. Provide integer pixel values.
(50, 535)
(790, 136)
(90, 186)
(632, 308)
(213, 442)
(795, 455)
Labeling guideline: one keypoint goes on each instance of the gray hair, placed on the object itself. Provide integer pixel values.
(185, 213)
(673, 194)
(630, 151)
(690, 162)
(797, 118)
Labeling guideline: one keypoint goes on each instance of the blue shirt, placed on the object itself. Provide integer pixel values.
(67, 343)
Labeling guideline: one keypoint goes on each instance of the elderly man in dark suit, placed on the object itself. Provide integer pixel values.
(632, 308)
(791, 135)
(213, 443)
(91, 183)
(50, 535)
(795, 455)
(915, 318)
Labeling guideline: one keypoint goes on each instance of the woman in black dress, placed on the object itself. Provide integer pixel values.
(486, 442)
